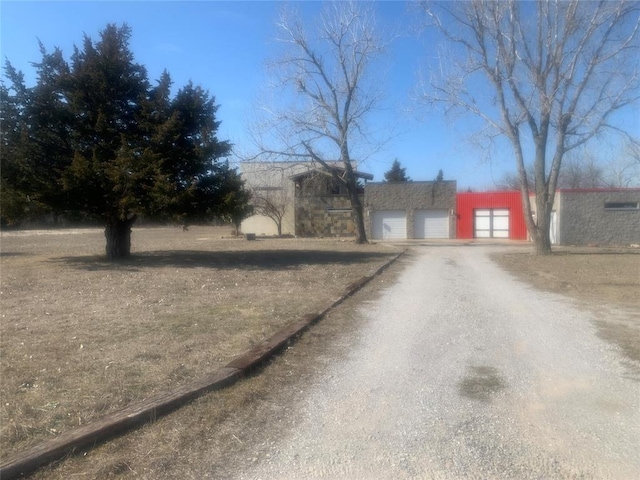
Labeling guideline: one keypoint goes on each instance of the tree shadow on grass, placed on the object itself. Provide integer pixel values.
(247, 260)
(14, 254)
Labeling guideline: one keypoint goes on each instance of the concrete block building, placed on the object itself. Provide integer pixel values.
(596, 217)
(401, 210)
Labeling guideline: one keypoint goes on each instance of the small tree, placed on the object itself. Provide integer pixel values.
(94, 136)
(272, 202)
(396, 173)
(440, 176)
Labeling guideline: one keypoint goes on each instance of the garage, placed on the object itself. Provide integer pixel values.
(431, 224)
(389, 225)
(491, 223)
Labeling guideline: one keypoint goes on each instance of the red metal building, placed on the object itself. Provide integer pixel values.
(490, 215)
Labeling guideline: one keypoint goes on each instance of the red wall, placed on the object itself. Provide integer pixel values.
(466, 203)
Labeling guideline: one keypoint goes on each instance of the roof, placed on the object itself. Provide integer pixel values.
(336, 170)
(593, 190)
(490, 192)
(597, 190)
(415, 182)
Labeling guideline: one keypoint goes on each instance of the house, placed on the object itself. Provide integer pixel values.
(490, 215)
(306, 200)
(272, 195)
(595, 217)
(399, 210)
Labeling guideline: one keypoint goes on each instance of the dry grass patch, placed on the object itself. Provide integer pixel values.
(82, 337)
(219, 434)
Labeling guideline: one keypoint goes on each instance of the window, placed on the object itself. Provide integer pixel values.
(334, 188)
(622, 205)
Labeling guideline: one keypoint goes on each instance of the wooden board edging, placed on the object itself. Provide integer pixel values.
(148, 410)
(100, 430)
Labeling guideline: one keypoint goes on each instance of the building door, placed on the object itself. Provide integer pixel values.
(491, 223)
(431, 224)
(389, 225)
(553, 228)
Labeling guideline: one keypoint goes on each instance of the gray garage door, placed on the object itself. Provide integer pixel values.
(389, 225)
(491, 223)
(431, 224)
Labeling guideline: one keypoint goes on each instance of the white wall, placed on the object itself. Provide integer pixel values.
(259, 176)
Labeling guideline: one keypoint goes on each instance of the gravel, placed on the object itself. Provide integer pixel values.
(463, 372)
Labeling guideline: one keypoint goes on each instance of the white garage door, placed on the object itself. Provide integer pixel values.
(389, 225)
(491, 223)
(431, 224)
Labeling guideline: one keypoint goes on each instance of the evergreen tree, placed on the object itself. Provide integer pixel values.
(94, 136)
(440, 176)
(396, 173)
(235, 206)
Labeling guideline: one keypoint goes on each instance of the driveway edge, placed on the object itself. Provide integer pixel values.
(150, 409)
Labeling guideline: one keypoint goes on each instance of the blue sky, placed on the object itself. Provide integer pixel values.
(223, 46)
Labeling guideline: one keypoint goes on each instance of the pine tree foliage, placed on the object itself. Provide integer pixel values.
(396, 173)
(95, 136)
(236, 200)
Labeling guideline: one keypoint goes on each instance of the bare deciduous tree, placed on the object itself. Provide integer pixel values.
(272, 202)
(581, 172)
(556, 72)
(582, 168)
(328, 92)
(623, 170)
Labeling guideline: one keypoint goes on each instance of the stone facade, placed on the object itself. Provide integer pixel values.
(324, 216)
(410, 197)
(313, 203)
(591, 217)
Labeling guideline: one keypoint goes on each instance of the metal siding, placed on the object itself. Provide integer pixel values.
(468, 202)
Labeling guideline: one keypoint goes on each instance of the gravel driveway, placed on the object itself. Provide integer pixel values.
(461, 372)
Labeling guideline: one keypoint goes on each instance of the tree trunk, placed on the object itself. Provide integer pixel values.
(541, 238)
(352, 189)
(543, 244)
(358, 217)
(118, 235)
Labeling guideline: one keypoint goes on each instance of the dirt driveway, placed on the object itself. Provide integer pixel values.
(460, 372)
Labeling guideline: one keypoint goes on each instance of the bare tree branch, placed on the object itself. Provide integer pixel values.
(328, 92)
(561, 70)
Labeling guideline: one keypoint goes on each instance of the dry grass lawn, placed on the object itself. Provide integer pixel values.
(82, 337)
